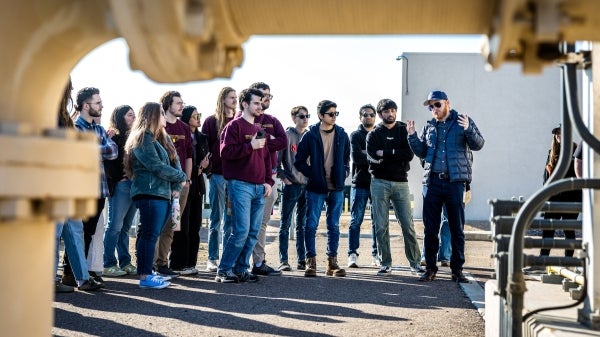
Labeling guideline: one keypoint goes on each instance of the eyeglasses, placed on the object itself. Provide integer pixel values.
(366, 114)
(331, 114)
(303, 116)
(268, 96)
(435, 105)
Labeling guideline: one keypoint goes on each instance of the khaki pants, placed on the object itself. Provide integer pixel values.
(258, 254)
(163, 247)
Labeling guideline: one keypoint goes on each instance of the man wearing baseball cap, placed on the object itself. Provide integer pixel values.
(444, 146)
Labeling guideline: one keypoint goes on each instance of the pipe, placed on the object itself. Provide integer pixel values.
(516, 283)
(566, 273)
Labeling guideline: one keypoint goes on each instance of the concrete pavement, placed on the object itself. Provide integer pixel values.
(290, 305)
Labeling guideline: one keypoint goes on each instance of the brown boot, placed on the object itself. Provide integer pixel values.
(333, 269)
(311, 267)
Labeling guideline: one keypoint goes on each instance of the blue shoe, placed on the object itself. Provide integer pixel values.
(153, 282)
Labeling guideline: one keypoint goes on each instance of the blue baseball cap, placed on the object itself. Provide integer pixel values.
(435, 95)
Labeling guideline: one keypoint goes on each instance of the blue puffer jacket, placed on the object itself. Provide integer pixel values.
(459, 142)
(310, 161)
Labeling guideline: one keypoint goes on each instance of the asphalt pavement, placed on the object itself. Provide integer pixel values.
(360, 304)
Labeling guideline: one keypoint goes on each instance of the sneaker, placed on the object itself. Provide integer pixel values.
(69, 280)
(96, 277)
(459, 277)
(531, 270)
(417, 269)
(211, 265)
(247, 277)
(166, 278)
(352, 260)
(265, 270)
(445, 263)
(285, 267)
(385, 271)
(186, 271)
(130, 269)
(166, 271)
(62, 288)
(113, 271)
(428, 276)
(226, 277)
(153, 282)
(301, 265)
(376, 261)
(90, 285)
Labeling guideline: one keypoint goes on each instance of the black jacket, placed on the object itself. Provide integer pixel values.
(361, 178)
(395, 162)
(114, 169)
(200, 150)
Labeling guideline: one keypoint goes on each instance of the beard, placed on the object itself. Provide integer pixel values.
(95, 113)
(440, 116)
(389, 121)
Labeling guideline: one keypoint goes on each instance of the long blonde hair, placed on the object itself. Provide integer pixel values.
(148, 119)
(220, 111)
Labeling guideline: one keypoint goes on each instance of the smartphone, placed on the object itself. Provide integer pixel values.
(260, 134)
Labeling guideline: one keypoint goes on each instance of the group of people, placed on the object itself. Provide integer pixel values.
(157, 160)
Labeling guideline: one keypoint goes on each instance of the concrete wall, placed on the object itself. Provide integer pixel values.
(514, 112)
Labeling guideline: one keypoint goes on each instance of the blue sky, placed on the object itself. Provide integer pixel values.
(301, 70)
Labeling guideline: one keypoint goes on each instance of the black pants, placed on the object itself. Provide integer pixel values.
(549, 234)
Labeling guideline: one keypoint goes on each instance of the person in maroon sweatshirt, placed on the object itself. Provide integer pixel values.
(217, 194)
(243, 145)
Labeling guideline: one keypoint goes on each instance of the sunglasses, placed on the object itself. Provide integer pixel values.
(196, 116)
(331, 114)
(303, 116)
(435, 105)
(372, 115)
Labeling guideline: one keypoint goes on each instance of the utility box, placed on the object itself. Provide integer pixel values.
(514, 112)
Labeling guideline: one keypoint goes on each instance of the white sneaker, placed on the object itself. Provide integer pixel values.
(352, 260)
(211, 265)
(375, 261)
(187, 271)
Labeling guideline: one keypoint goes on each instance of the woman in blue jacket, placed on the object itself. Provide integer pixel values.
(152, 163)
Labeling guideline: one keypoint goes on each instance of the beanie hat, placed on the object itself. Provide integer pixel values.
(187, 113)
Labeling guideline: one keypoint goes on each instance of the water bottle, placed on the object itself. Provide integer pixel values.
(175, 215)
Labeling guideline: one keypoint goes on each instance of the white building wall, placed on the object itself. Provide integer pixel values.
(506, 106)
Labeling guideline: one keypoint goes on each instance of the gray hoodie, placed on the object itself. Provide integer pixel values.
(287, 156)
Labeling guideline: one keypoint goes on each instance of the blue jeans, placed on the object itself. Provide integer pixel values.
(359, 198)
(120, 213)
(384, 191)
(154, 214)
(445, 247)
(315, 201)
(217, 197)
(247, 206)
(439, 193)
(292, 195)
(72, 235)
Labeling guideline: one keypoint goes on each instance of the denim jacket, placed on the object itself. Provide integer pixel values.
(153, 173)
